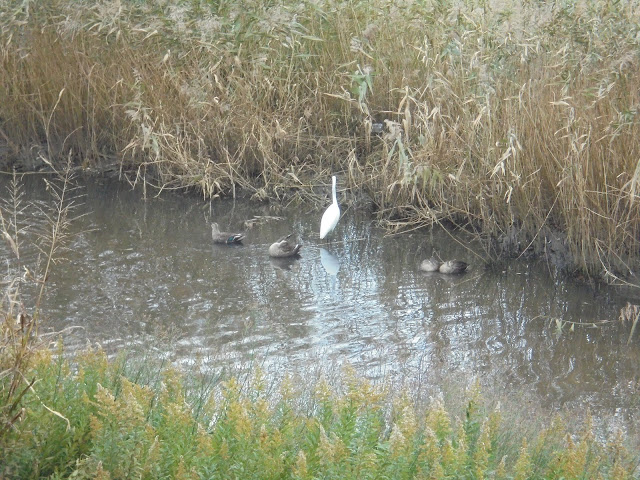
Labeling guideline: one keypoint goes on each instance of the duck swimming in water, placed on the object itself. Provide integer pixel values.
(284, 248)
(225, 237)
(430, 265)
(449, 267)
(453, 266)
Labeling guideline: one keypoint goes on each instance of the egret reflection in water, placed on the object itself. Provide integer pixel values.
(329, 261)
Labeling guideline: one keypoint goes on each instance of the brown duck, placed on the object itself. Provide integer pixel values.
(453, 266)
(284, 248)
(450, 266)
(225, 237)
(430, 265)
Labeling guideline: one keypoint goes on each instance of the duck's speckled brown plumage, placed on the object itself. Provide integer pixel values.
(225, 237)
(430, 265)
(453, 266)
(449, 267)
(284, 248)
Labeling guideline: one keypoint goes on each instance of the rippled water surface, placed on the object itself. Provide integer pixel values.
(141, 271)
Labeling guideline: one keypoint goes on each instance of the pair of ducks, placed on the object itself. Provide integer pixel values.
(450, 266)
(281, 249)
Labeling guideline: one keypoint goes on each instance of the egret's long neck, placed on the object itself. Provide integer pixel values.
(335, 200)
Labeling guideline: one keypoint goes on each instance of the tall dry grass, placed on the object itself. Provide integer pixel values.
(23, 287)
(516, 120)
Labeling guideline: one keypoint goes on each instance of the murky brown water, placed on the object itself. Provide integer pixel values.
(141, 270)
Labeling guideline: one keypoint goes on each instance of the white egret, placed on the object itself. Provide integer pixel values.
(331, 214)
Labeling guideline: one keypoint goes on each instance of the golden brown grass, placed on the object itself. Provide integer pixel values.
(20, 342)
(515, 120)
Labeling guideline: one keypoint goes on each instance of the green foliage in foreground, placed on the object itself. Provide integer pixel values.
(93, 420)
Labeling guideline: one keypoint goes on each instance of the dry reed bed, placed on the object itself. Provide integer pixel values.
(518, 122)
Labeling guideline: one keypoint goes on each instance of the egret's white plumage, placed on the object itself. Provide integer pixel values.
(331, 214)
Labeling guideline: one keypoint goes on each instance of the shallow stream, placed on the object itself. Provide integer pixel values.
(144, 275)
